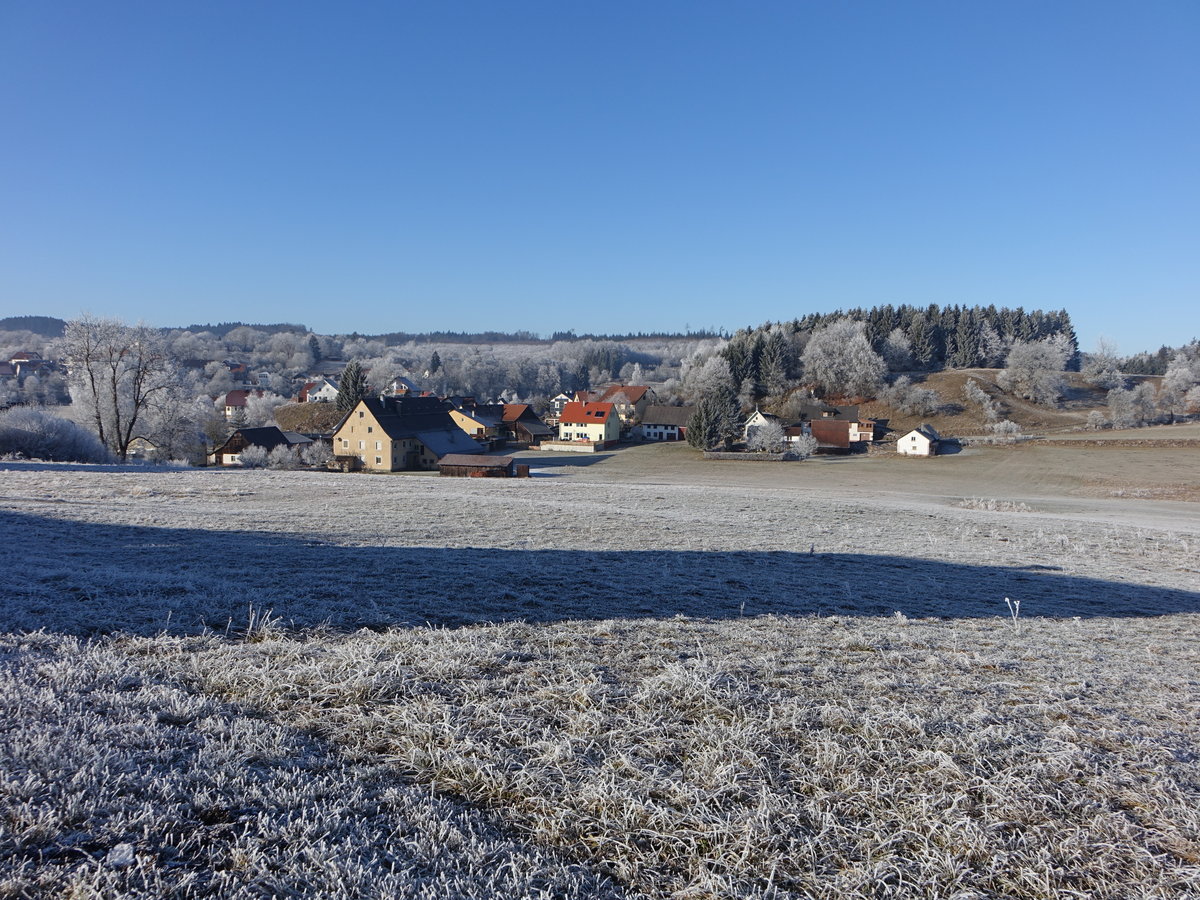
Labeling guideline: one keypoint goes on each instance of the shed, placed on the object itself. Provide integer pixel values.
(472, 465)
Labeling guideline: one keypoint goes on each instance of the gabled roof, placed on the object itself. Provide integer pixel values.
(238, 397)
(268, 437)
(678, 416)
(426, 419)
(633, 392)
(576, 413)
(927, 431)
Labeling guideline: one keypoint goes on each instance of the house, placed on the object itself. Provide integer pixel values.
(478, 425)
(236, 400)
(557, 403)
(921, 441)
(402, 387)
(665, 423)
(859, 429)
(323, 390)
(467, 465)
(268, 437)
(523, 425)
(629, 400)
(390, 434)
(756, 421)
(595, 422)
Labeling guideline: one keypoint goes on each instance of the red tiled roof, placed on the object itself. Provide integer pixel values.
(514, 411)
(633, 392)
(239, 396)
(575, 413)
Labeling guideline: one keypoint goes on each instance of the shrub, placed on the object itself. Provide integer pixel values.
(910, 399)
(253, 457)
(36, 434)
(283, 457)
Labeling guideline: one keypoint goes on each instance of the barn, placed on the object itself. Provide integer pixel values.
(474, 465)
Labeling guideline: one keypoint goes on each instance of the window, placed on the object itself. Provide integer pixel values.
(345, 444)
(362, 445)
(379, 460)
(360, 414)
(378, 445)
(370, 428)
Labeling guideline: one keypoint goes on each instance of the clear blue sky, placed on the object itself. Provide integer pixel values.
(605, 166)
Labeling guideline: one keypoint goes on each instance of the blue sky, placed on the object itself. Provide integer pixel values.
(603, 167)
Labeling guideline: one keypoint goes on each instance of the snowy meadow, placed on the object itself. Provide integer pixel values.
(691, 683)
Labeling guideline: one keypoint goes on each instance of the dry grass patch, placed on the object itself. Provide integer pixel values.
(117, 784)
(776, 757)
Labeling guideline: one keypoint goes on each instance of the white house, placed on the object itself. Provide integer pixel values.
(756, 421)
(921, 441)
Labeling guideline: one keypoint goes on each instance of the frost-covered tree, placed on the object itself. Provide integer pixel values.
(283, 457)
(1181, 378)
(802, 447)
(768, 438)
(897, 351)
(352, 387)
(910, 399)
(317, 454)
(977, 396)
(715, 420)
(839, 360)
(260, 409)
(1101, 367)
(1034, 369)
(117, 372)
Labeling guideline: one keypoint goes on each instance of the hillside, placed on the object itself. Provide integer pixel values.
(957, 417)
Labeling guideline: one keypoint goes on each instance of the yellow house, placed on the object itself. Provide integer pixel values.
(593, 421)
(390, 434)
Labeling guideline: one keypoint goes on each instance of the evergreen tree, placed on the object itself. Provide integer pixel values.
(352, 387)
(435, 363)
(314, 347)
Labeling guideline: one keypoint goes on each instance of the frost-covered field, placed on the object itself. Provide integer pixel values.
(620, 678)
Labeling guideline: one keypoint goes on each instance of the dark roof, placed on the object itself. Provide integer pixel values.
(426, 419)
(476, 460)
(928, 431)
(818, 410)
(668, 415)
(268, 437)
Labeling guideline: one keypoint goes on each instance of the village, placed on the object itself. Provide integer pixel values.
(410, 430)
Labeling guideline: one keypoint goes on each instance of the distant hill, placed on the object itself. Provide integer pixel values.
(46, 326)
(225, 327)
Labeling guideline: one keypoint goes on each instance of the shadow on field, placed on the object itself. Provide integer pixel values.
(80, 578)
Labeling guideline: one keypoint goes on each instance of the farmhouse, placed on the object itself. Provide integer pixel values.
(323, 390)
(524, 426)
(921, 441)
(390, 434)
(665, 423)
(629, 400)
(268, 437)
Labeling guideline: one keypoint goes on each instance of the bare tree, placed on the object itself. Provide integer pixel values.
(116, 373)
